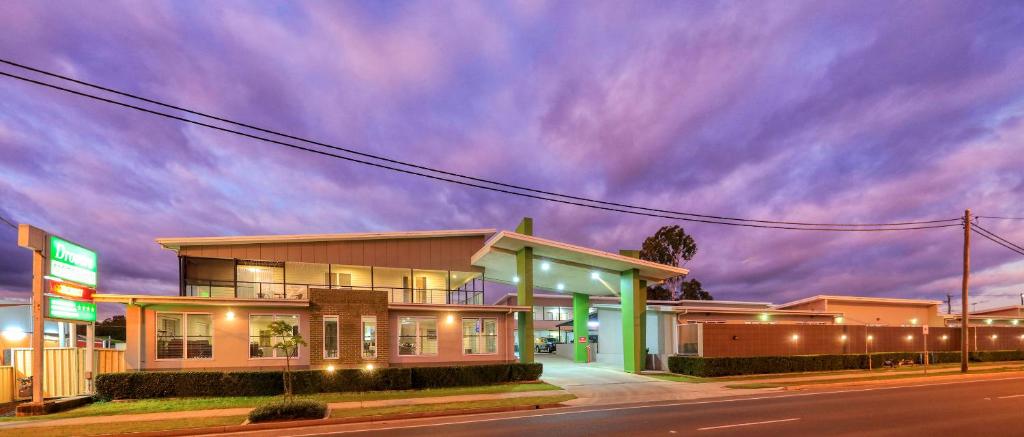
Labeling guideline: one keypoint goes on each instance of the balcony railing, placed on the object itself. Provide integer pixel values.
(286, 291)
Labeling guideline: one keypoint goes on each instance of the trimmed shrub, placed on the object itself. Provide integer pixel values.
(727, 366)
(141, 385)
(288, 410)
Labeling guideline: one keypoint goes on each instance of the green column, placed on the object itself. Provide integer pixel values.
(634, 309)
(524, 293)
(580, 317)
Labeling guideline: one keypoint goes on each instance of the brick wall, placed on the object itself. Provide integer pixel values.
(735, 340)
(349, 306)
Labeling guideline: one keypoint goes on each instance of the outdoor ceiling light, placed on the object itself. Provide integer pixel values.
(560, 286)
(595, 275)
(592, 324)
(545, 266)
(515, 279)
(14, 334)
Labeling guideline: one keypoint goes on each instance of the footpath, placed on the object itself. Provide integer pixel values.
(226, 412)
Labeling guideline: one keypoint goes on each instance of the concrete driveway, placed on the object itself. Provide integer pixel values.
(597, 384)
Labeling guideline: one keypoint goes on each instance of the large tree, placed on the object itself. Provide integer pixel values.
(671, 245)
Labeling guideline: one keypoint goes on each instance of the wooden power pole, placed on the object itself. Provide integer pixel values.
(964, 315)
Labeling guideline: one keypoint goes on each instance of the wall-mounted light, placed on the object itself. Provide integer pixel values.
(994, 336)
(913, 321)
(14, 334)
(545, 266)
(515, 279)
(560, 286)
(839, 320)
(450, 319)
(842, 337)
(910, 337)
(795, 337)
(230, 315)
(871, 337)
(945, 337)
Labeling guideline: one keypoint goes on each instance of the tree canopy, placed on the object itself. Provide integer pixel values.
(671, 245)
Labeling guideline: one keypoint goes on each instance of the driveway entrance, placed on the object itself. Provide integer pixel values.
(595, 384)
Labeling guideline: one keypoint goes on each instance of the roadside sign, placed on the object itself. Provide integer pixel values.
(924, 329)
(583, 339)
(72, 291)
(65, 309)
(71, 262)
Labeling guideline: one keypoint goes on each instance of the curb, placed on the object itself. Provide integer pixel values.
(897, 381)
(328, 421)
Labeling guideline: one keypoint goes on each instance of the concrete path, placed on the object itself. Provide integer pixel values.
(225, 412)
(598, 384)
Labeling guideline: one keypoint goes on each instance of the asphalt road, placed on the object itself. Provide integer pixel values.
(993, 406)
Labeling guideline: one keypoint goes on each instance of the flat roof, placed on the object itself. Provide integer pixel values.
(175, 243)
(578, 269)
(682, 309)
(149, 299)
(861, 299)
(1002, 308)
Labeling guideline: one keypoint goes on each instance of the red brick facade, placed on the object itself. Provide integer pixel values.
(349, 306)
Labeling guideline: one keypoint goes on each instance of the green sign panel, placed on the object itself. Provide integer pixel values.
(60, 308)
(72, 262)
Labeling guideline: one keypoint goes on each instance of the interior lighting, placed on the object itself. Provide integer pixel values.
(545, 266)
(14, 334)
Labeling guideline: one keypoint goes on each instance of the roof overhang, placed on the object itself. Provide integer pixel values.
(862, 300)
(578, 269)
(459, 308)
(175, 243)
(146, 299)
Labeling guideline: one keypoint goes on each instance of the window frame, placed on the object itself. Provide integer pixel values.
(480, 338)
(249, 336)
(184, 335)
(337, 336)
(419, 337)
(363, 337)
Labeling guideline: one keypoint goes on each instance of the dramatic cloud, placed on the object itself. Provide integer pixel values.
(809, 111)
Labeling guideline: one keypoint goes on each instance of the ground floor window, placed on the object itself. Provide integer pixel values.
(369, 337)
(184, 335)
(417, 336)
(479, 336)
(261, 341)
(330, 337)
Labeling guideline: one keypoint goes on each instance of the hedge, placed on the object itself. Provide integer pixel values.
(726, 366)
(161, 384)
(288, 410)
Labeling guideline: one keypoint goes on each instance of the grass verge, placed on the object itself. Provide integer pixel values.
(406, 409)
(143, 406)
(123, 427)
(884, 377)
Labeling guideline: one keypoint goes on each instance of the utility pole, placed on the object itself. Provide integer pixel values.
(964, 315)
(949, 303)
(1022, 299)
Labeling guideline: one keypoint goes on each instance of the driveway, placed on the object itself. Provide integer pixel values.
(597, 384)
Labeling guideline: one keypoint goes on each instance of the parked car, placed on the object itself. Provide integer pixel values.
(546, 345)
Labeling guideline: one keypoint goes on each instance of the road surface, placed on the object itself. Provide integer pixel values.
(991, 406)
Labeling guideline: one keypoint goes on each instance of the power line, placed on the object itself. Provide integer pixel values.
(993, 234)
(434, 170)
(999, 218)
(9, 223)
(996, 240)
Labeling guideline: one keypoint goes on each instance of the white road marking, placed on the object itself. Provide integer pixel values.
(634, 407)
(708, 428)
(1010, 397)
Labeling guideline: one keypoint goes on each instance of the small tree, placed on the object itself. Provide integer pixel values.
(288, 342)
(693, 290)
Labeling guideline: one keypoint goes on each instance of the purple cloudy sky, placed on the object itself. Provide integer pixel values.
(816, 111)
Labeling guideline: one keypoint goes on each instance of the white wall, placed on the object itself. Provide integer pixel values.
(609, 335)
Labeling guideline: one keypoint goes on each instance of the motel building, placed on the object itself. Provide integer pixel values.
(379, 299)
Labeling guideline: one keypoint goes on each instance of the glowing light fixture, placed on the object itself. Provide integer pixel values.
(795, 337)
(842, 337)
(592, 324)
(595, 275)
(330, 368)
(839, 320)
(14, 334)
(913, 321)
(763, 317)
(369, 366)
(560, 286)
(945, 337)
(545, 266)
(988, 321)
(515, 279)
(910, 337)
(871, 337)
(1015, 321)
(994, 336)
(450, 319)
(230, 315)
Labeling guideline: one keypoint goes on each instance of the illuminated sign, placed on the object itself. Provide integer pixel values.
(71, 262)
(73, 291)
(60, 308)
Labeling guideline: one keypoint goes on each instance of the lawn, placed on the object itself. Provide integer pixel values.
(124, 427)
(143, 406)
(873, 373)
(405, 409)
(876, 377)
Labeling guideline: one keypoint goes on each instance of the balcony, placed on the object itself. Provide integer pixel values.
(286, 291)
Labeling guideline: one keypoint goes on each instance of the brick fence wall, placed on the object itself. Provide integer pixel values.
(736, 340)
(349, 306)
